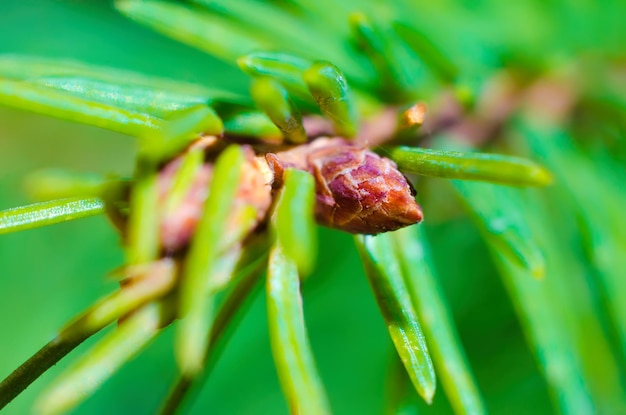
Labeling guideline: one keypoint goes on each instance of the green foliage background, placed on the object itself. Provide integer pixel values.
(50, 274)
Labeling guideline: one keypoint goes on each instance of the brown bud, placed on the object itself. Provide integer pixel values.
(357, 190)
(178, 225)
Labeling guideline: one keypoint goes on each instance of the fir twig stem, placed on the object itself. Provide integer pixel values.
(38, 364)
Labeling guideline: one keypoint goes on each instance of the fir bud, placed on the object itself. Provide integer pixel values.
(357, 190)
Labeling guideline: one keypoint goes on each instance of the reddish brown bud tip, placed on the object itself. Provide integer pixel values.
(414, 116)
(360, 192)
(357, 190)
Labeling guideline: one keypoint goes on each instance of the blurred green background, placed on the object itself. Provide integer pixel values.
(50, 274)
